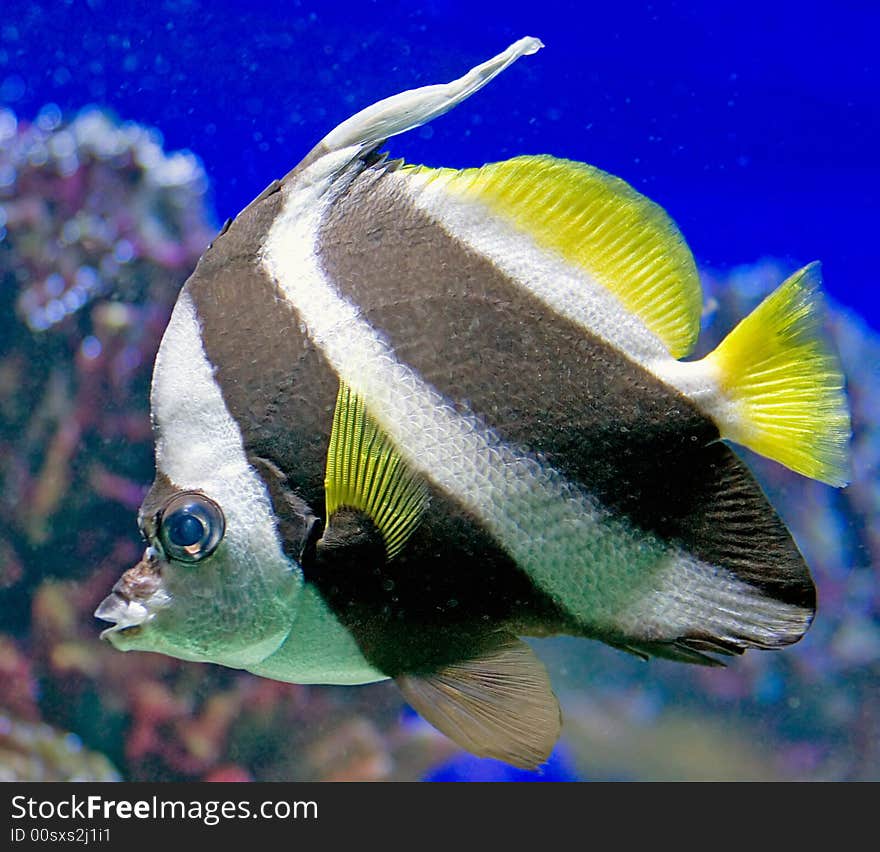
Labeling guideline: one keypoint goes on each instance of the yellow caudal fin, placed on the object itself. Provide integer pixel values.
(783, 384)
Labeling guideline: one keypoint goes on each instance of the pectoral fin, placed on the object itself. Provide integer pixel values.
(367, 474)
(499, 705)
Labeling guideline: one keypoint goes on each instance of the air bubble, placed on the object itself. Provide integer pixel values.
(55, 312)
(62, 145)
(70, 232)
(73, 743)
(54, 285)
(87, 278)
(8, 124)
(49, 117)
(123, 251)
(37, 321)
(12, 89)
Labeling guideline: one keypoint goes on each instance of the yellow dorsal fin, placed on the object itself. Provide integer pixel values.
(365, 472)
(598, 222)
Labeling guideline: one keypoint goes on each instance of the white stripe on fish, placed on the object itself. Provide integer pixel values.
(570, 547)
(564, 287)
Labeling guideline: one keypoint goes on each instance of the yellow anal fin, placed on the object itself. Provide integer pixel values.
(598, 222)
(365, 472)
(784, 384)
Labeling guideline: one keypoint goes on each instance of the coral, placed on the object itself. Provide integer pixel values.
(99, 228)
(36, 752)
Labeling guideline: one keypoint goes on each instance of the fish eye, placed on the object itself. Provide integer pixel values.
(191, 526)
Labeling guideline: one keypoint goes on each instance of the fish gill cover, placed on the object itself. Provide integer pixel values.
(100, 225)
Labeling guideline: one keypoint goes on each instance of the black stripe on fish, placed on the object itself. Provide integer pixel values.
(451, 584)
(274, 381)
(547, 384)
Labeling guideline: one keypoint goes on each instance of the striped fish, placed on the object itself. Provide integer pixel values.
(405, 416)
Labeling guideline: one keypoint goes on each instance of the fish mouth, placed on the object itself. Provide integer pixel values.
(135, 598)
(122, 613)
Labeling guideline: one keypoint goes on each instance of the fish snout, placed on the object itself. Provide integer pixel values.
(135, 597)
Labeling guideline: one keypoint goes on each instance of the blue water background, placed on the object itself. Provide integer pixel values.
(754, 123)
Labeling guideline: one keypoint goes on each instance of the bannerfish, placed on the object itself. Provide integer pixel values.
(405, 416)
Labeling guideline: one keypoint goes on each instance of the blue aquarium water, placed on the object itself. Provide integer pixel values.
(466, 767)
(128, 132)
(755, 124)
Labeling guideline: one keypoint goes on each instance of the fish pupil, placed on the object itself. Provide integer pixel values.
(185, 529)
(191, 527)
